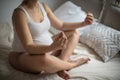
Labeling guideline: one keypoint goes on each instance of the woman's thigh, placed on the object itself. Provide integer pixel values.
(27, 63)
(38, 63)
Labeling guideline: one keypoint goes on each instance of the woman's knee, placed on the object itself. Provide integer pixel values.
(75, 34)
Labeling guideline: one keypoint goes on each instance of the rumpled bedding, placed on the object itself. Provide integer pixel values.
(93, 70)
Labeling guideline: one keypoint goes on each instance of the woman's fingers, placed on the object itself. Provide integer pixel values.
(57, 37)
(90, 14)
(63, 35)
(60, 41)
(89, 19)
(64, 43)
(63, 40)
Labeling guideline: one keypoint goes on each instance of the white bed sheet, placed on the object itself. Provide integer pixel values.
(94, 70)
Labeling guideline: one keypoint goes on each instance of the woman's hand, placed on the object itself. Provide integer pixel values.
(60, 41)
(89, 19)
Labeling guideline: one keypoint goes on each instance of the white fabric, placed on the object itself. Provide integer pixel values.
(104, 40)
(94, 70)
(39, 31)
(69, 12)
(6, 35)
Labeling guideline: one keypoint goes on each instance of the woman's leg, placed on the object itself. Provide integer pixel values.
(73, 37)
(47, 63)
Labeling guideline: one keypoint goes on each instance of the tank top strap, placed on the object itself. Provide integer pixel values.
(28, 17)
(42, 8)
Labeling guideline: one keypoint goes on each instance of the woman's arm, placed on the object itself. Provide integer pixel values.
(71, 26)
(20, 23)
(56, 23)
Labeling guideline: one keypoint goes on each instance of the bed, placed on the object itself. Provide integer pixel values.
(96, 69)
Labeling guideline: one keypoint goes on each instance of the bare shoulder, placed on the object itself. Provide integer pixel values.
(46, 7)
(19, 18)
(18, 13)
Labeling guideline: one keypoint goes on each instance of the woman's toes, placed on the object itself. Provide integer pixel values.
(64, 74)
(85, 60)
(82, 61)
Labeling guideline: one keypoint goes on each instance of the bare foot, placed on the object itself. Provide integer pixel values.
(80, 61)
(64, 75)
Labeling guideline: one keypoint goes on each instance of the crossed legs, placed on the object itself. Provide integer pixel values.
(73, 37)
(46, 62)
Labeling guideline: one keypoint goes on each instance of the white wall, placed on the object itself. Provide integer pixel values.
(53, 3)
(7, 7)
(110, 17)
(93, 6)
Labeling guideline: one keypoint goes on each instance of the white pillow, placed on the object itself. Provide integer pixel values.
(6, 35)
(69, 12)
(103, 40)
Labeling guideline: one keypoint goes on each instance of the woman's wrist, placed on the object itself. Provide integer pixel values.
(52, 48)
(83, 23)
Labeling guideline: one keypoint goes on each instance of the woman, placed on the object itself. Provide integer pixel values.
(32, 44)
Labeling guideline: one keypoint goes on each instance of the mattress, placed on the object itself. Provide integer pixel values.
(96, 69)
(93, 70)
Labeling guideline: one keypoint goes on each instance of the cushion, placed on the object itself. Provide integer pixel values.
(6, 35)
(104, 40)
(69, 12)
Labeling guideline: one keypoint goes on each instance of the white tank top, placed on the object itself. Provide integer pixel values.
(39, 31)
